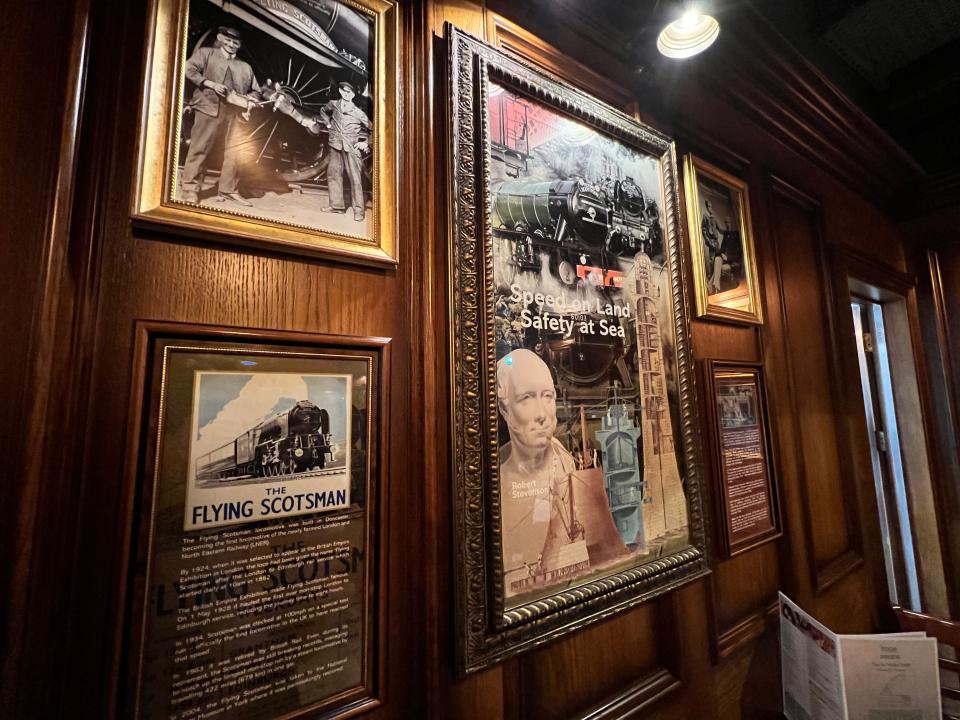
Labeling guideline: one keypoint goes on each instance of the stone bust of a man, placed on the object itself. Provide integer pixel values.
(534, 466)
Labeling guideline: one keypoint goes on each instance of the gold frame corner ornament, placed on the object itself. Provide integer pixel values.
(694, 168)
(159, 129)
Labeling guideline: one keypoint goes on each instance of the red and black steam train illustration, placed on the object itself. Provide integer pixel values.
(581, 227)
(296, 440)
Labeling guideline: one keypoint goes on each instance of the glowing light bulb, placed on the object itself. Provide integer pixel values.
(689, 19)
(690, 34)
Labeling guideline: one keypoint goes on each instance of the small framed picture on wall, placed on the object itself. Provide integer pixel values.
(721, 244)
(745, 486)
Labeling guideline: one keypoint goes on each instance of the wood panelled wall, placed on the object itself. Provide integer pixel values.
(37, 320)
(707, 651)
(936, 262)
(942, 311)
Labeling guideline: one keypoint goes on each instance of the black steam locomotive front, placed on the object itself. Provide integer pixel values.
(575, 223)
(294, 441)
(309, 435)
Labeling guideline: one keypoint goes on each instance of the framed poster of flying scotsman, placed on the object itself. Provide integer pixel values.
(577, 481)
(272, 122)
(257, 587)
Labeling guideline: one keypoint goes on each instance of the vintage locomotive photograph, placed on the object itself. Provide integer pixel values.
(257, 431)
(590, 478)
(276, 113)
(738, 405)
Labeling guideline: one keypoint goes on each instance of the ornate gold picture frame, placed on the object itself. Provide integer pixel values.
(725, 280)
(272, 123)
(577, 466)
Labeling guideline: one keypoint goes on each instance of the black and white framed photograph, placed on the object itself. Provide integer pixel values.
(577, 473)
(721, 244)
(273, 121)
(738, 405)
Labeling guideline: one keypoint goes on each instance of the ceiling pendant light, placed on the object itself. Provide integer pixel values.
(690, 34)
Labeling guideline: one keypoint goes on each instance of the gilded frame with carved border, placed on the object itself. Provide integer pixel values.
(155, 202)
(740, 303)
(487, 630)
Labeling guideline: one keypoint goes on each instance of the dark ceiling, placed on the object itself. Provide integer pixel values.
(898, 60)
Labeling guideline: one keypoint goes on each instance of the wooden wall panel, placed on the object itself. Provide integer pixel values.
(948, 267)
(939, 302)
(582, 670)
(849, 605)
(797, 579)
(117, 276)
(42, 267)
(718, 340)
(748, 686)
(803, 289)
(739, 599)
(27, 195)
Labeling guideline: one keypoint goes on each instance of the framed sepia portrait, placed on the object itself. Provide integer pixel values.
(272, 122)
(577, 481)
(257, 577)
(747, 500)
(721, 244)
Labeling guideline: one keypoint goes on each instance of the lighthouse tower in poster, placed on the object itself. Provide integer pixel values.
(665, 507)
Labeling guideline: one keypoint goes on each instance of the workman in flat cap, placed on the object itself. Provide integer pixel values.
(349, 132)
(225, 88)
(349, 129)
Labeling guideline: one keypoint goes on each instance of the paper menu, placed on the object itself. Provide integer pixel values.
(890, 677)
(812, 688)
(855, 677)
